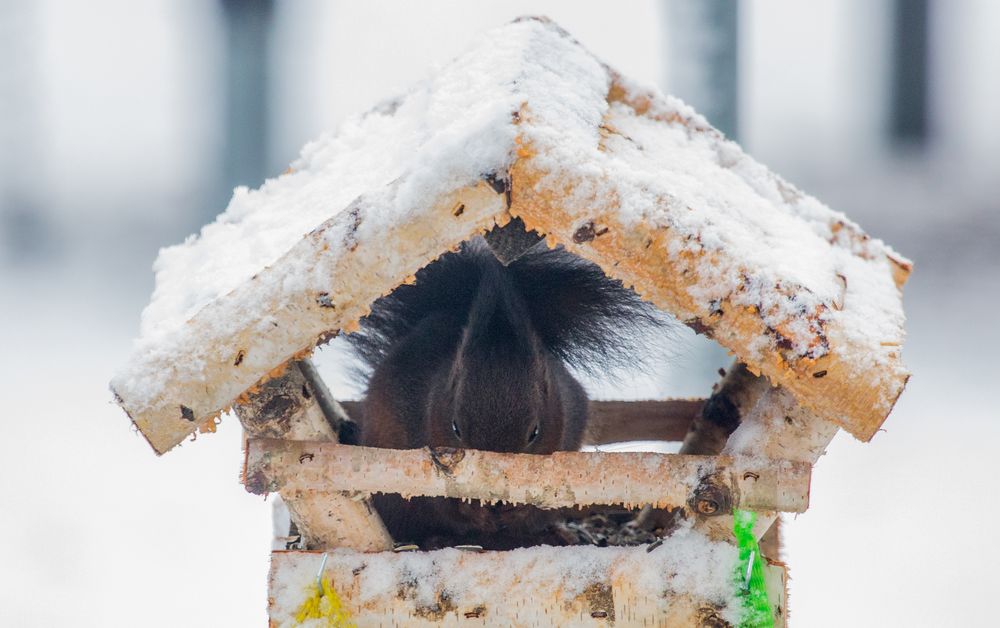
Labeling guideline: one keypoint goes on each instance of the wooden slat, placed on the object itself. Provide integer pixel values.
(328, 520)
(285, 407)
(537, 587)
(558, 480)
(621, 421)
(770, 541)
(732, 398)
(298, 404)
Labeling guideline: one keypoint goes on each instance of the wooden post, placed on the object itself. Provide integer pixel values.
(292, 406)
(776, 426)
(770, 543)
(732, 398)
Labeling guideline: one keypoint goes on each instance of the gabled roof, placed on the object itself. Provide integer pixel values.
(529, 124)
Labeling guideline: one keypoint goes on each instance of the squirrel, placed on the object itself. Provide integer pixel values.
(478, 354)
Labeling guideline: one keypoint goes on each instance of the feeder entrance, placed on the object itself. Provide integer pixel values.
(557, 304)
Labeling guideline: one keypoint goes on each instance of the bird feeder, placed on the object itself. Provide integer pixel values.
(528, 133)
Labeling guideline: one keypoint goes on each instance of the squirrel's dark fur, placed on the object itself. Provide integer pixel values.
(477, 354)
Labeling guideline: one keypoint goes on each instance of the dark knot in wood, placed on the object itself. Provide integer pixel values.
(475, 613)
(500, 182)
(709, 618)
(711, 498)
(584, 234)
(588, 231)
(257, 483)
(601, 599)
(447, 458)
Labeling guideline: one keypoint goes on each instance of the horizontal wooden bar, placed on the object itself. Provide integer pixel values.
(658, 419)
(710, 485)
(540, 586)
(621, 421)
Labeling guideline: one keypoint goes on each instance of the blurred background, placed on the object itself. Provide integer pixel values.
(125, 124)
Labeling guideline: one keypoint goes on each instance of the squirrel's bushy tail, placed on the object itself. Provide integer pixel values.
(581, 315)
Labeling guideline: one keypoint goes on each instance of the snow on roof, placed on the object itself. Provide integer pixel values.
(526, 95)
(826, 296)
(447, 132)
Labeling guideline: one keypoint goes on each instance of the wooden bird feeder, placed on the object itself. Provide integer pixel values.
(527, 125)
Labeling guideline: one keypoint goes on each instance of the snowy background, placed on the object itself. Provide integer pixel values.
(125, 124)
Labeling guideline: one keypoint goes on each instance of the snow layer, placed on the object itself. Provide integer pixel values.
(448, 132)
(800, 264)
(686, 563)
(456, 127)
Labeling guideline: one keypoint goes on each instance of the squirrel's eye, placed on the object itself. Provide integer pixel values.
(534, 435)
(454, 428)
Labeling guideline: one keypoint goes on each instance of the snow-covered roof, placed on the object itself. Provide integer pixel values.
(527, 123)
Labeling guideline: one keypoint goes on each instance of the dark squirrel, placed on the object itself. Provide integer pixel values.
(476, 354)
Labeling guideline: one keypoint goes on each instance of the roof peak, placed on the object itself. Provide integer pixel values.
(622, 175)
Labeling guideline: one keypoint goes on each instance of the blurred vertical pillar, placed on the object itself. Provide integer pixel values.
(248, 25)
(703, 58)
(908, 100)
(25, 234)
(702, 65)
